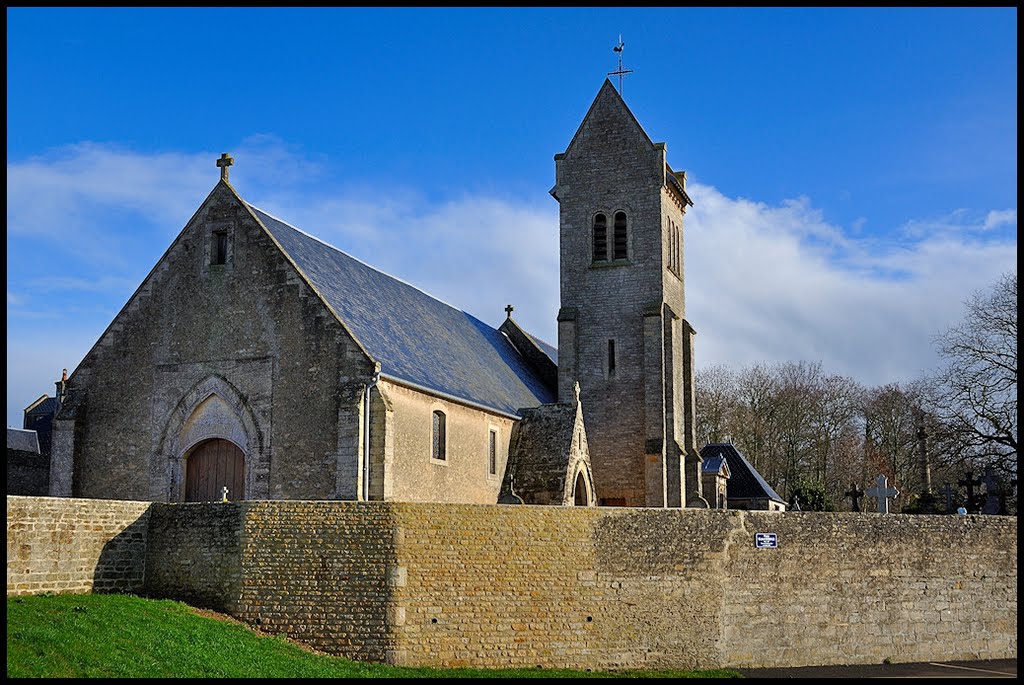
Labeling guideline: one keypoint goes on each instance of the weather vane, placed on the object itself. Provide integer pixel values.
(620, 72)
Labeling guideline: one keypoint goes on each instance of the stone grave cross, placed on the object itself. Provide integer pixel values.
(855, 494)
(969, 481)
(947, 490)
(991, 505)
(884, 493)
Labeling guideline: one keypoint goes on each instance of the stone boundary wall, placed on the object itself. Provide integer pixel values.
(419, 584)
(195, 554)
(75, 545)
(314, 571)
(655, 588)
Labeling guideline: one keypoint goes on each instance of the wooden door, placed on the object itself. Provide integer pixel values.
(212, 466)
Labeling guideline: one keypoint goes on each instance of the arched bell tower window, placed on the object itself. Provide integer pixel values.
(600, 238)
(620, 242)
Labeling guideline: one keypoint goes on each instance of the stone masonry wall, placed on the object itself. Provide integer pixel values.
(195, 554)
(28, 473)
(321, 572)
(612, 588)
(74, 545)
(491, 585)
(314, 571)
(850, 588)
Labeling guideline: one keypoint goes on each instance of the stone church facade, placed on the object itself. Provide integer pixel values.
(257, 362)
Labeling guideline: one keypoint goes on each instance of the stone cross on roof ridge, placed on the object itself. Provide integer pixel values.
(884, 493)
(223, 163)
(508, 311)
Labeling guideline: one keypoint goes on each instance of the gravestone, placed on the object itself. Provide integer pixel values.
(883, 493)
(969, 482)
(947, 491)
(855, 494)
(991, 505)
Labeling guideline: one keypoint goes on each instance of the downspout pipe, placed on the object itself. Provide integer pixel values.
(366, 433)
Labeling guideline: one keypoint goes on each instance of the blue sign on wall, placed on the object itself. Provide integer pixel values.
(766, 540)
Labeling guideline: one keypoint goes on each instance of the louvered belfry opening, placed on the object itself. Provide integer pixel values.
(212, 466)
(600, 238)
(620, 236)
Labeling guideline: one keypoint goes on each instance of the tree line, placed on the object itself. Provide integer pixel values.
(814, 435)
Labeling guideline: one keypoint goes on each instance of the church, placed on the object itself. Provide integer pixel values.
(257, 362)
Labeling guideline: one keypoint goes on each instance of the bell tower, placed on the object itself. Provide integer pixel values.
(621, 328)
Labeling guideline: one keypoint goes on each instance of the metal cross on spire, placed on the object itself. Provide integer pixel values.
(620, 72)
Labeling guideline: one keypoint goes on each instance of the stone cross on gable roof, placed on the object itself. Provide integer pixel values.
(884, 493)
(224, 162)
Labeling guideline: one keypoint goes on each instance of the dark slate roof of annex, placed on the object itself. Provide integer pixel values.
(416, 338)
(23, 440)
(744, 482)
(44, 405)
(712, 464)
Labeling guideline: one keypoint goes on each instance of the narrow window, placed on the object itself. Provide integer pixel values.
(492, 453)
(219, 253)
(600, 238)
(677, 254)
(674, 239)
(438, 451)
(611, 358)
(671, 246)
(620, 235)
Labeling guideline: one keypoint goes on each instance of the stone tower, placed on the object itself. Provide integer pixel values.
(621, 328)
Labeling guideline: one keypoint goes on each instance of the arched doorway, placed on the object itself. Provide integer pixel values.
(212, 466)
(581, 497)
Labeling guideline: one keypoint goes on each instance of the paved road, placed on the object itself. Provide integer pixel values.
(994, 668)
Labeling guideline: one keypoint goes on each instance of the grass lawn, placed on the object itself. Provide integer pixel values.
(120, 636)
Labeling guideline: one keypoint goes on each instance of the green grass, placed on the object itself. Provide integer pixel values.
(120, 636)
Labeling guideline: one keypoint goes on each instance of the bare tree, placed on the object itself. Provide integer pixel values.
(716, 393)
(890, 434)
(975, 392)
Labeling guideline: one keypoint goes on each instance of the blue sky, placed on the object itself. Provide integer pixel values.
(854, 170)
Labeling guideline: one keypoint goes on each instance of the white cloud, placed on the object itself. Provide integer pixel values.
(1003, 217)
(758, 290)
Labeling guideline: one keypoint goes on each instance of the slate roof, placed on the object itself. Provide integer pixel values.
(549, 350)
(416, 338)
(23, 440)
(44, 405)
(744, 482)
(713, 464)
